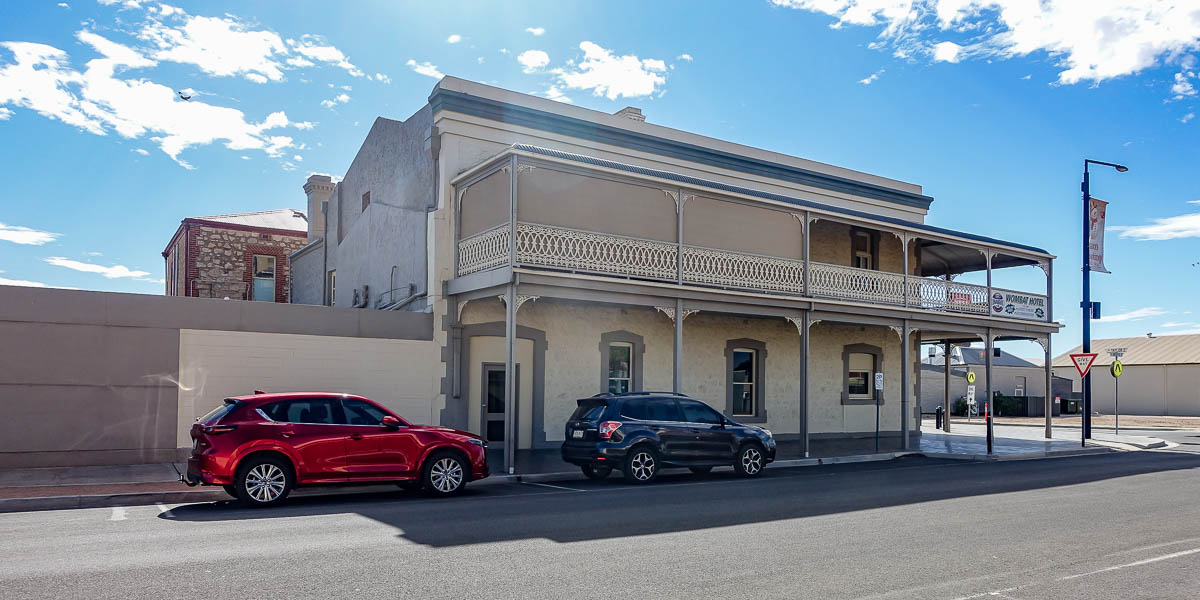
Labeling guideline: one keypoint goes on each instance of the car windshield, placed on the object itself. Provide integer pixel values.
(588, 410)
(219, 411)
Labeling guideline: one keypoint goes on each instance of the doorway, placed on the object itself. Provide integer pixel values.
(492, 405)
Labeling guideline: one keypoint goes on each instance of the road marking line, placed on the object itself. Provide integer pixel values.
(557, 487)
(1134, 564)
(118, 514)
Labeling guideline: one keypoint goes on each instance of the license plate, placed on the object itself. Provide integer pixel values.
(578, 433)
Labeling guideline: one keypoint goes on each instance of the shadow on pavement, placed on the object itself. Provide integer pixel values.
(598, 510)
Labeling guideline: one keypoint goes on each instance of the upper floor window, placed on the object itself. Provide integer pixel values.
(366, 200)
(862, 258)
(264, 278)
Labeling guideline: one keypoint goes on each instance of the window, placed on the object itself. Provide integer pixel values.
(589, 410)
(332, 288)
(366, 200)
(652, 409)
(1020, 391)
(218, 412)
(362, 413)
(860, 363)
(264, 278)
(744, 372)
(861, 242)
(620, 367)
(742, 376)
(698, 412)
(861, 375)
(321, 411)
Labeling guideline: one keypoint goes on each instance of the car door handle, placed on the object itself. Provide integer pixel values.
(356, 436)
(287, 433)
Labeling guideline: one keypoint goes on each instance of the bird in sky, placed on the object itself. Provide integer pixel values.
(184, 97)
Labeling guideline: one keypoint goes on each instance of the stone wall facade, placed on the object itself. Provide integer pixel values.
(220, 260)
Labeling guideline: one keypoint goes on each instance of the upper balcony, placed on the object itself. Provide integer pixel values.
(582, 215)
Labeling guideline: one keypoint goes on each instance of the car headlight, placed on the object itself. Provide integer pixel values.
(477, 442)
(766, 431)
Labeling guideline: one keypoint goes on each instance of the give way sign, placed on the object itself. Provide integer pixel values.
(1083, 362)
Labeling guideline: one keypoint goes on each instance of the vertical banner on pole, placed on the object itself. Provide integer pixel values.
(1097, 210)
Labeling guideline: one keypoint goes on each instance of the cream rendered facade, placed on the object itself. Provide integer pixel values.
(553, 233)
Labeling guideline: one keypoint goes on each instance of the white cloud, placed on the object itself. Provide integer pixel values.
(1027, 78)
(947, 52)
(454, 38)
(26, 236)
(869, 79)
(336, 100)
(94, 253)
(220, 46)
(98, 100)
(113, 272)
(1187, 117)
(63, 5)
(1183, 88)
(1091, 41)
(1169, 228)
(503, 51)
(533, 60)
(5, 113)
(125, 4)
(1133, 315)
(426, 68)
(685, 56)
(555, 93)
(612, 76)
(535, 30)
(315, 48)
(1171, 324)
(141, 151)
(298, 158)
(27, 283)
(383, 78)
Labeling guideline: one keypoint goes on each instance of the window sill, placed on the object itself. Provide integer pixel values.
(861, 401)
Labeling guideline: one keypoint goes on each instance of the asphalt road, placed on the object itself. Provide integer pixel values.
(1123, 525)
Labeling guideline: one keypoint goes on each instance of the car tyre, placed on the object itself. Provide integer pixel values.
(444, 474)
(594, 472)
(700, 470)
(263, 481)
(641, 465)
(750, 461)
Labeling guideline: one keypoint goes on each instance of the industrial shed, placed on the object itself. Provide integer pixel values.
(1161, 375)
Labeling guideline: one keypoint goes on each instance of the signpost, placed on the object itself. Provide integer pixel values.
(878, 394)
(1115, 370)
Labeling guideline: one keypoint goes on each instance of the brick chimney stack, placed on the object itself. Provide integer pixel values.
(318, 188)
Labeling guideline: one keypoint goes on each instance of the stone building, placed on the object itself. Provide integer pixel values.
(240, 256)
(564, 252)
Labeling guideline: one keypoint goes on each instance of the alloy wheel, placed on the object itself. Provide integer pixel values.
(751, 461)
(265, 482)
(446, 475)
(643, 466)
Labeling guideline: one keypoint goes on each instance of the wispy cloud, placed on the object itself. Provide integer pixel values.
(1168, 228)
(1090, 41)
(1187, 117)
(113, 272)
(26, 236)
(28, 283)
(684, 57)
(1133, 315)
(1173, 324)
(426, 68)
(872, 78)
(535, 30)
(336, 100)
(454, 38)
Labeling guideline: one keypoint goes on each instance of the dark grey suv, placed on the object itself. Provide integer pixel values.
(640, 433)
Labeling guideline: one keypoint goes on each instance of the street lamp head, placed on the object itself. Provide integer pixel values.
(1121, 168)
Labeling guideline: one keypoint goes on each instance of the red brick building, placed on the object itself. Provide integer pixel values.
(240, 256)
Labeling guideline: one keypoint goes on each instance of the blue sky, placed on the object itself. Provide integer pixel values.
(991, 105)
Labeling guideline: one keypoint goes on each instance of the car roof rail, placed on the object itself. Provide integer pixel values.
(653, 393)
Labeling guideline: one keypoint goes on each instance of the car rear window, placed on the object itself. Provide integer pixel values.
(589, 410)
(220, 411)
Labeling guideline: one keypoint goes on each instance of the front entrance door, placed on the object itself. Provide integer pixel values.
(492, 404)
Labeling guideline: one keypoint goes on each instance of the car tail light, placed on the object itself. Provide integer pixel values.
(607, 428)
(215, 429)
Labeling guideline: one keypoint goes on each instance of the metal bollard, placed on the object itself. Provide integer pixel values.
(937, 417)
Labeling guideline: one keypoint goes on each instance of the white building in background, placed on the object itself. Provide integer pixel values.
(1161, 375)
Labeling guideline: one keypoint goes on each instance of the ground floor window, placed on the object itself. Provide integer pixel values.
(620, 367)
(860, 363)
(744, 376)
(621, 362)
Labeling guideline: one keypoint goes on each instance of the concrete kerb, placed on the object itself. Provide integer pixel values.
(1020, 455)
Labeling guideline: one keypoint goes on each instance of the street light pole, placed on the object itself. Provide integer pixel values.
(1086, 304)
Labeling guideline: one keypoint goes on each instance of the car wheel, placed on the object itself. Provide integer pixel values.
(641, 465)
(263, 481)
(594, 472)
(700, 470)
(444, 474)
(750, 461)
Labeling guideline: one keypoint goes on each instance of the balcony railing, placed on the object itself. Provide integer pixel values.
(590, 252)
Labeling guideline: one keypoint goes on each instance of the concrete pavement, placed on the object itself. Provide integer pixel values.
(1123, 525)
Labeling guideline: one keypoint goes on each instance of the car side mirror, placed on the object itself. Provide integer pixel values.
(390, 422)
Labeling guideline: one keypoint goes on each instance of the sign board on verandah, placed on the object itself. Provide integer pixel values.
(1083, 362)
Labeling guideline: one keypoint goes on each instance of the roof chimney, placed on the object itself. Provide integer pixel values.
(318, 189)
(631, 112)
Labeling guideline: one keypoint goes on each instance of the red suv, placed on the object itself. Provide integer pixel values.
(259, 447)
